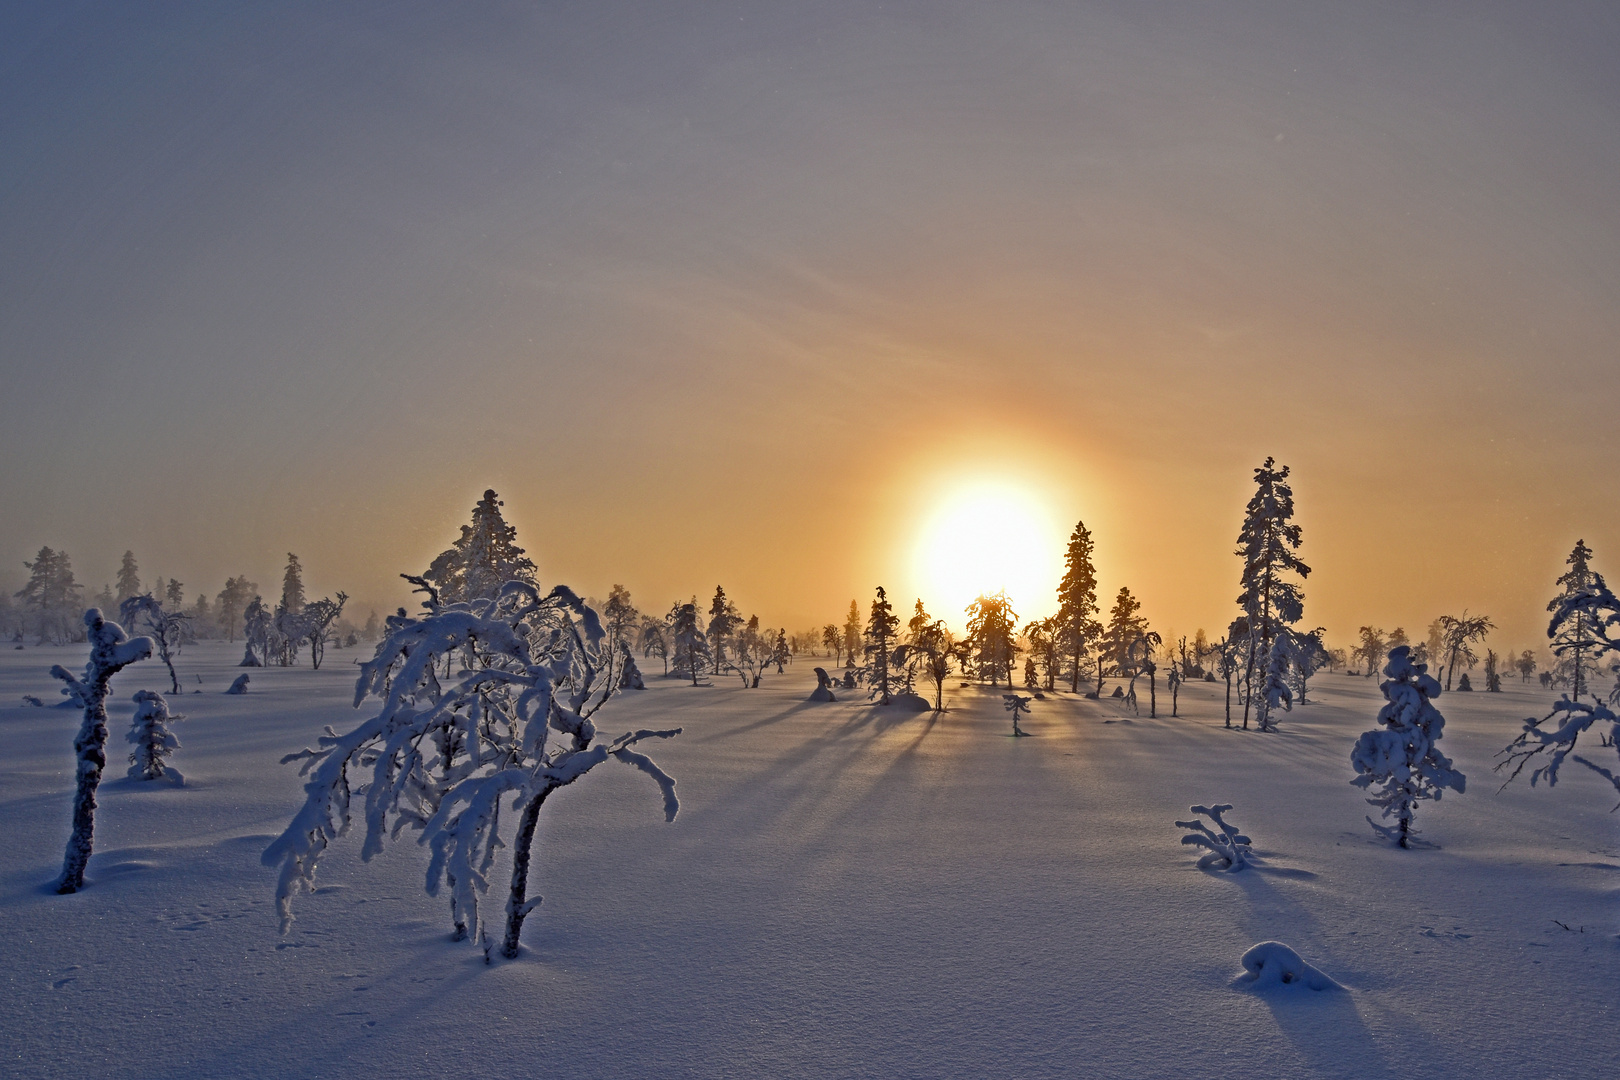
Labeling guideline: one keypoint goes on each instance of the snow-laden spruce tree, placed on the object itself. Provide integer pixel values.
(1077, 630)
(444, 758)
(484, 557)
(882, 633)
(1270, 601)
(129, 578)
(147, 613)
(111, 651)
(1400, 761)
(1557, 734)
(154, 742)
(690, 645)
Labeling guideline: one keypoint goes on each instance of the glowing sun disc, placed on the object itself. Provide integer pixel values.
(984, 538)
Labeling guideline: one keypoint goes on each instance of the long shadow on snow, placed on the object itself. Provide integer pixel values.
(730, 733)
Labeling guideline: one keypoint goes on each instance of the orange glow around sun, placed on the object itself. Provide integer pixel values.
(985, 537)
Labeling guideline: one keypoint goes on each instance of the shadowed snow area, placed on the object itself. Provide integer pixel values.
(848, 891)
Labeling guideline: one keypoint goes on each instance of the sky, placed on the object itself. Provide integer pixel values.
(745, 293)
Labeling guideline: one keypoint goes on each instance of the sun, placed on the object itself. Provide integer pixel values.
(985, 537)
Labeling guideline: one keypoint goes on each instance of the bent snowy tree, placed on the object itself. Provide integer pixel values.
(1402, 757)
(442, 758)
(111, 651)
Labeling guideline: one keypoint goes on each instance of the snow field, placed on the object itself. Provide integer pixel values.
(848, 891)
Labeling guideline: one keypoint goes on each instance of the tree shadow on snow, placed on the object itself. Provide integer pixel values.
(757, 724)
(1326, 1029)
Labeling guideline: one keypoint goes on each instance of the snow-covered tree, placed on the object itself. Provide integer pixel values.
(1139, 661)
(1045, 651)
(1076, 629)
(1125, 626)
(258, 627)
(147, 613)
(1225, 843)
(1400, 761)
(690, 643)
(129, 578)
(154, 742)
(929, 646)
(1525, 664)
(1370, 649)
(724, 619)
(654, 640)
(781, 651)
(445, 759)
(483, 558)
(174, 595)
(852, 633)
(1458, 633)
(882, 634)
(991, 644)
(1306, 655)
(232, 601)
(620, 614)
(1018, 705)
(833, 638)
(111, 650)
(1558, 733)
(1574, 641)
(1270, 601)
(51, 595)
(292, 586)
(311, 625)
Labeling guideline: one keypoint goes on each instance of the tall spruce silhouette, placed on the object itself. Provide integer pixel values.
(1076, 620)
(1270, 601)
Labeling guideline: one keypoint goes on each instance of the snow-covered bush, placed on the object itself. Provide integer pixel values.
(1271, 963)
(824, 687)
(111, 650)
(1402, 757)
(153, 740)
(1226, 844)
(515, 723)
(239, 685)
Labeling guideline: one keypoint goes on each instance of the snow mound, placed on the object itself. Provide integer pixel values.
(1271, 963)
(821, 693)
(910, 703)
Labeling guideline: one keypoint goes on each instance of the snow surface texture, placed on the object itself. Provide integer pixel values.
(1271, 963)
(849, 891)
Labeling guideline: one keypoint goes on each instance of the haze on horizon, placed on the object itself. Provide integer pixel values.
(741, 294)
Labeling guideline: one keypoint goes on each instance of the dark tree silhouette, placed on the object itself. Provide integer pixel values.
(882, 634)
(483, 559)
(992, 627)
(1076, 626)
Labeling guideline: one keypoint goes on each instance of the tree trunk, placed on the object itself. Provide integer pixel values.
(517, 905)
(91, 750)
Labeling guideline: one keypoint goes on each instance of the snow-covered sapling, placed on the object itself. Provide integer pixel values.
(824, 687)
(240, 685)
(153, 740)
(1271, 963)
(1017, 704)
(1402, 757)
(515, 724)
(166, 627)
(111, 650)
(1226, 844)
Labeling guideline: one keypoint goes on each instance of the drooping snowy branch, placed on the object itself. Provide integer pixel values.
(443, 755)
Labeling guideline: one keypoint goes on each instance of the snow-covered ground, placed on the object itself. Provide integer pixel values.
(848, 891)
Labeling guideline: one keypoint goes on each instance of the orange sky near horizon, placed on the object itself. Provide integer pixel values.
(745, 294)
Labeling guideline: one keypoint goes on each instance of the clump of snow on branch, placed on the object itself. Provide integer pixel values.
(1271, 963)
(1558, 734)
(1227, 846)
(1400, 762)
(154, 742)
(514, 723)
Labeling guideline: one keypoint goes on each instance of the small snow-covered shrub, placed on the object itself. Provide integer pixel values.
(1271, 963)
(240, 685)
(1226, 845)
(153, 740)
(1402, 757)
(1016, 704)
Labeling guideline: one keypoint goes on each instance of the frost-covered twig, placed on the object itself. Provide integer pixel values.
(1228, 845)
(111, 650)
